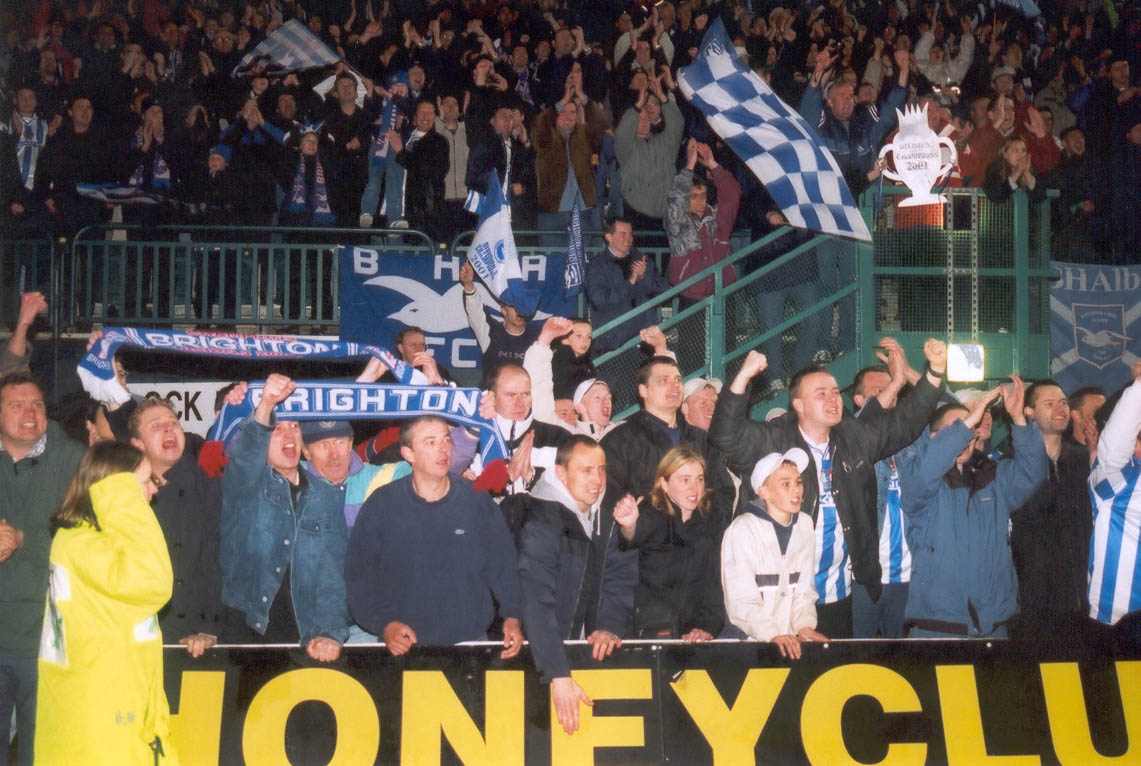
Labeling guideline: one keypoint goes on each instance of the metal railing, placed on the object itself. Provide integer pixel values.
(268, 277)
(978, 272)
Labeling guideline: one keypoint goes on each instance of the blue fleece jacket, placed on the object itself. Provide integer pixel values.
(958, 528)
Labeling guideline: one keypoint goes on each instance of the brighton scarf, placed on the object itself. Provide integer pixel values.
(33, 132)
(318, 206)
(313, 400)
(97, 370)
(334, 400)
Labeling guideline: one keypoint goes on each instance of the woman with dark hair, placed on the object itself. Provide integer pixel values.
(101, 698)
(678, 542)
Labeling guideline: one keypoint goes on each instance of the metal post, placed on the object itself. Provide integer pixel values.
(1021, 351)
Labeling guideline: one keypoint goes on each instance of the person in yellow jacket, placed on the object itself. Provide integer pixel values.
(101, 698)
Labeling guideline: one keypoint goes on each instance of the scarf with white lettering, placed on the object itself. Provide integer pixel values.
(97, 369)
(334, 400)
(299, 200)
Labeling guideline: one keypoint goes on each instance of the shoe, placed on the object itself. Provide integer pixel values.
(400, 223)
(366, 221)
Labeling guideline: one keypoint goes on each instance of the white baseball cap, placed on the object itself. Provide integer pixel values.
(693, 385)
(774, 460)
(586, 385)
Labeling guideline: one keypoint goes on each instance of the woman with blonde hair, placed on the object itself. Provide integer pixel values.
(101, 698)
(678, 542)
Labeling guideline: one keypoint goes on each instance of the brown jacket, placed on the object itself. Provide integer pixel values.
(551, 156)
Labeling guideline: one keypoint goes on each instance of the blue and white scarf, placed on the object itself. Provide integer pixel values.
(322, 213)
(97, 369)
(33, 134)
(160, 177)
(334, 400)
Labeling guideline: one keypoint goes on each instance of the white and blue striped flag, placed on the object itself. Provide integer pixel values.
(291, 48)
(781, 149)
(493, 255)
(576, 258)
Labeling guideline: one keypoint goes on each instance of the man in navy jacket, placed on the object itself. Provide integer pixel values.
(428, 552)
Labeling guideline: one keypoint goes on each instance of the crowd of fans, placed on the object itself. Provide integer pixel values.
(567, 101)
(894, 517)
(889, 514)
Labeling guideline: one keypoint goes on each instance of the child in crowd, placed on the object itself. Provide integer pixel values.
(767, 559)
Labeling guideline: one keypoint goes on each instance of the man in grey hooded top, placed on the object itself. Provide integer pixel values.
(576, 582)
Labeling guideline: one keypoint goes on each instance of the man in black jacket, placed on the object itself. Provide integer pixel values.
(1050, 534)
(188, 506)
(422, 157)
(844, 452)
(576, 582)
(508, 152)
(635, 447)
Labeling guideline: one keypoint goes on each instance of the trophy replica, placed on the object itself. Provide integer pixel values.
(917, 156)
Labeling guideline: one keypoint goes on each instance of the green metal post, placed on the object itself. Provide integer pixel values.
(866, 296)
(715, 329)
(1021, 281)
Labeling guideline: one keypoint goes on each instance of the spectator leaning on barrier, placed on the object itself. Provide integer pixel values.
(188, 508)
(283, 538)
(958, 503)
(36, 462)
(576, 582)
(678, 540)
(428, 554)
(767, 559)
(840, 486)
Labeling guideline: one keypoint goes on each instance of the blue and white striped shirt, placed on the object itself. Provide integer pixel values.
(895, 556)
(1115, 486)
(833, 579)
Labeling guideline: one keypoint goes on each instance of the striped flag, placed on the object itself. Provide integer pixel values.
(781, 149)
(576, 259)
(493, 255)
(291, 48)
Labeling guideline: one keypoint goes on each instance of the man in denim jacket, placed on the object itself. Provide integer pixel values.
(283, 538)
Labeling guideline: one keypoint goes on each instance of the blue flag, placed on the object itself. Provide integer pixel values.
(576, 259)
(493, 254)
(777, 144)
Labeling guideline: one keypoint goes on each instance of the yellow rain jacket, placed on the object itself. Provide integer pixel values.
(101, 698)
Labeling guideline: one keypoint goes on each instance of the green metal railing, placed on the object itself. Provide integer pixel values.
(980, 274)
(983, 276)
(268, 277)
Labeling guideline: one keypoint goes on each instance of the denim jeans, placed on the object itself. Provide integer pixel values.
(884, 617)
(18, 677)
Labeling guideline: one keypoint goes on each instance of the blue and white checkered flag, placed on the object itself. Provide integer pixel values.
(781, 149)
(493, 255)
(576, 258)
(291, 48)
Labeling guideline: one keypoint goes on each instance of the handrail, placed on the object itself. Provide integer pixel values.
(678, 289)
(331, 232)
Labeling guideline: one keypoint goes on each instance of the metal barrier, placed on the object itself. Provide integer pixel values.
(979, 275)
(26, 264)
(268, 277)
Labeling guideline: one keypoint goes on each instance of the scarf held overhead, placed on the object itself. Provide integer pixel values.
(97, 369)
(325, 400)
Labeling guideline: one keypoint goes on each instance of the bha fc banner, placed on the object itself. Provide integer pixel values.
(382, 292)
(731, 703)
(1095, 325)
